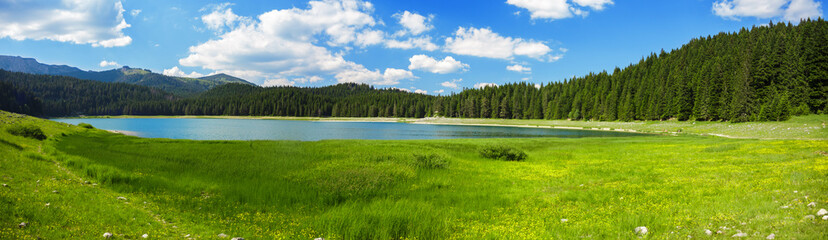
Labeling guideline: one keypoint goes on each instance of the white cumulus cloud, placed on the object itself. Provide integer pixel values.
(222, 16)
(454, 83)
(426, 63)
(278, 82)
(790, 10)
(597, 5)
(285, 44)
(559, 9)
(175, 72)
(482, 42)
(484, 85)
(519, 68)
(803, 9)
(135, 12)
(310, 79)
(391, 76)
(420, 91)
(415, 23)
(106, 63)
(99, 23)
(370, 37)
(423, 43)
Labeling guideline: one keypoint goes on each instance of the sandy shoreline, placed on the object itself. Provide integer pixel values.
(527, 126)
(124, 132)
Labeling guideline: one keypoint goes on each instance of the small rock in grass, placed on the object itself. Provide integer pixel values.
(237, 238)
(47, 204)
(22, 225)
(145, 235)
(222, 235)
(784, 207)
(54, 191)
(318, 239)
(186, 236)
(719, 232)
(741, 234)
(708, 232)
(563, 220)
(771, 236)
(107, 235)
(4, 185)
(810, 217)
(822, 212)
(122, 198)
(641, 230)
(825, 217)
(812, 204)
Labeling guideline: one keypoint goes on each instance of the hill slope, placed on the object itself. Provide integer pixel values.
(765, 73)
(30, 65)
(224, 78)
(47, 95)
(143, 77)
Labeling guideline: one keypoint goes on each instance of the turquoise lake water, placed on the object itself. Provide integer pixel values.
(254, 129)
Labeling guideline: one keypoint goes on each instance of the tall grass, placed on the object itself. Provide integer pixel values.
(423, 189)
(407, 189)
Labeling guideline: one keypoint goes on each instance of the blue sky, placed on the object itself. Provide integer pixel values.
(427, 46)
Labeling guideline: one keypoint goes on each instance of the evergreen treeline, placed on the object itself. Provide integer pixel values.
(13, 99)
(341, 100)
(766, 73)
(68, 96)
(763, 74)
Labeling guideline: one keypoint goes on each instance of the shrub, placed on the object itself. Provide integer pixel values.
(29, 131)
(501, 152)
(430, 161)
(86, 125)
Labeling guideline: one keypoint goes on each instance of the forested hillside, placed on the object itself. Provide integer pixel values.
(342, 100)
(765, 73)
(17, 100)
(178, 85)
(68, 96)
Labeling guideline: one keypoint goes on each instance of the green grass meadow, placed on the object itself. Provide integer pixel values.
(677, 186)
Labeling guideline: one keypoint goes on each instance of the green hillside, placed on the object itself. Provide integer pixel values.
(177, 85)
(80, 183)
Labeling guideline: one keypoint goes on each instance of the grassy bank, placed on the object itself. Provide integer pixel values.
(677, 186)
(52, 200)
(810, 127)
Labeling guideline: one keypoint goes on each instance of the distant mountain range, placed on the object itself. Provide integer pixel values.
(144, 77)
